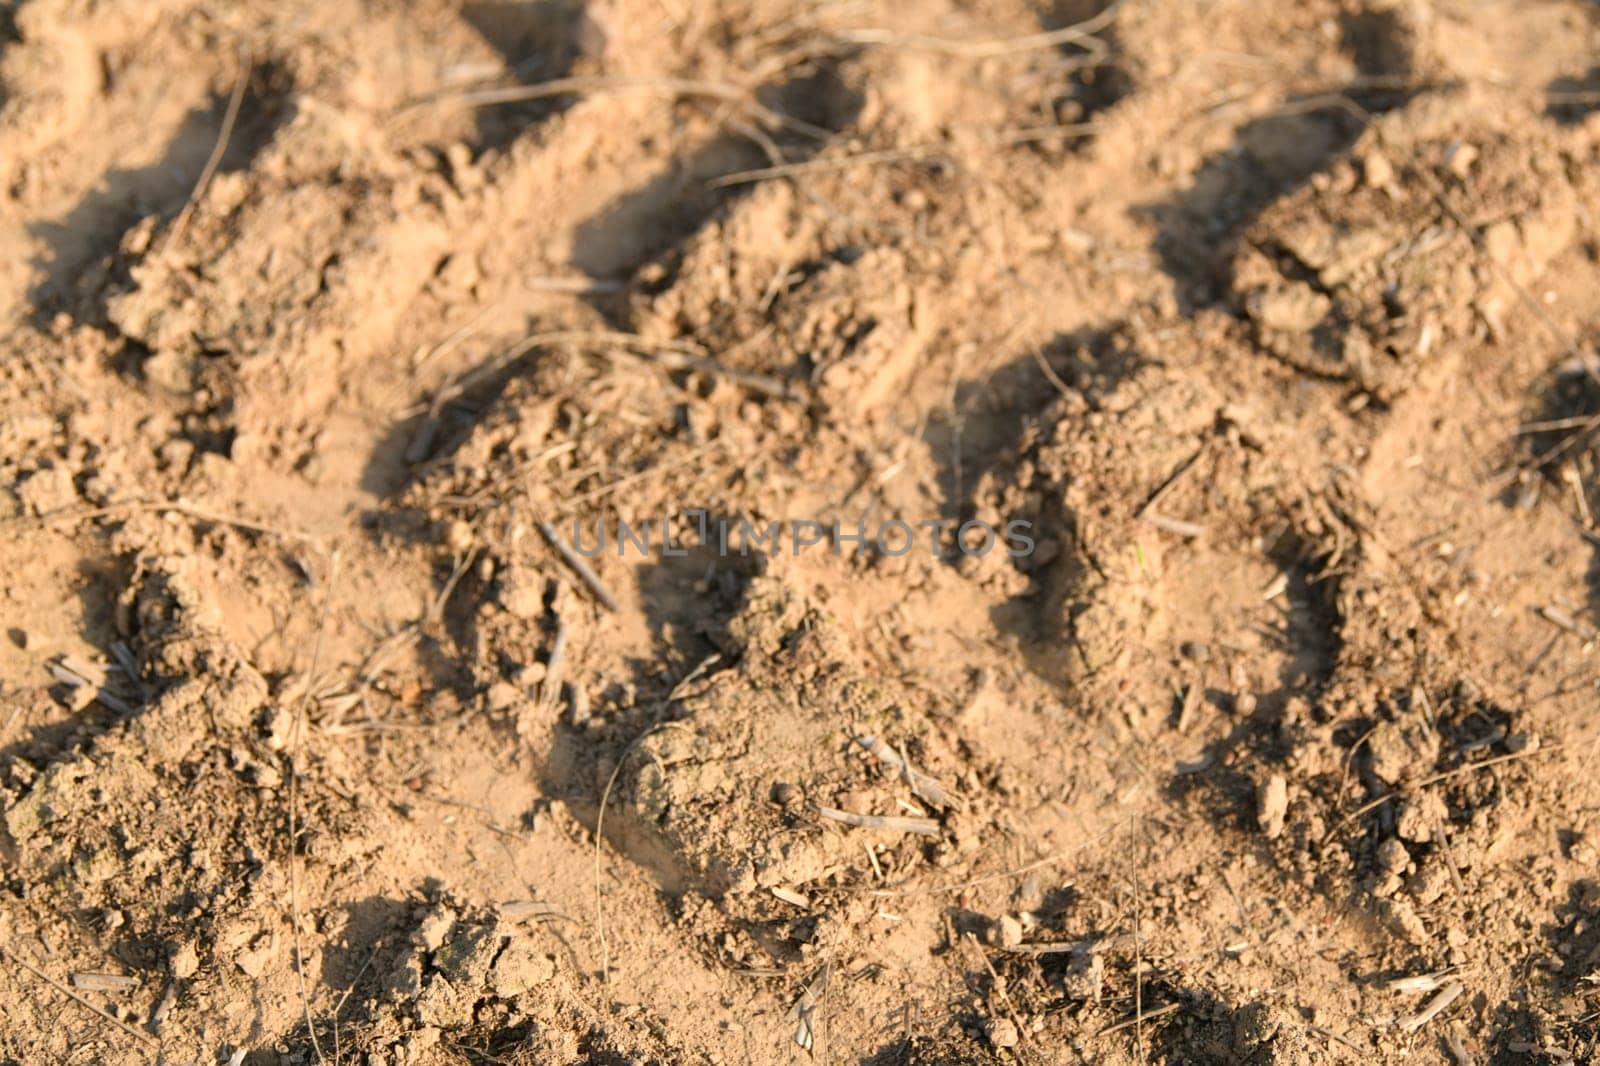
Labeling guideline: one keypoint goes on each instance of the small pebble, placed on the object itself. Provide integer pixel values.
(1002, 1032)
(1459, 157)
(1008, 931)
(458, 536)
(854, 801)
(184, 962)
(1272, 805)
(1377, 170)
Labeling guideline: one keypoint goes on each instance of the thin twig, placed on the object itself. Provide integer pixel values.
(1070, 947)
(920, 153)
(806, 1006)
(580, 566)
(225, 134)
(826, 163)
(924, 826)
(199, 514)
(550, 686)
(1170, 482)
(1003, 875)
(1331, 1035)
(1048, 371)
(1139, 1018)
(1441, 999)
(103, 982)
(595, 85)
(339, 1006)
(924, 787)
(1138, 953)
(436, 610)
(599, 840)
(997, 985)
(1176, 526)
(294, 776)
(79, 1000)
(671, 354)
(1081, 34)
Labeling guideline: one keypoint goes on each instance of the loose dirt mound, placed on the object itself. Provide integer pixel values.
(339, 333)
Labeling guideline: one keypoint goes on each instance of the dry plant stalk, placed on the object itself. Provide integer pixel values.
(924, 826)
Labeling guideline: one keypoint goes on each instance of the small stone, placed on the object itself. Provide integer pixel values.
(1429, 883)
(185, 961)
(1008, 931)
(420, 1040)
(176, 454)
(502, 696)
(170, 371)
(1393, 857)
(1459, 157)
(1400, 750)
(253, 962)
(855, 802)
(1377, 170)
(784, 794)
(1256, 1024)
(467, 955)
(1085, 978)
(458, 536)
(1272, 805)
(1393, 861)
(441, 1005)
(522, 591)
(1417, 817)
(277, 726)
(48, 490)
(1402, 920)
(433, 928)
(1295, 307)
(1002, 1032)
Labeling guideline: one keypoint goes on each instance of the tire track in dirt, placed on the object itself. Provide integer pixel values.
(641, 853)
(977, 339)
(645, 226)
(1346, 656)
(1097, 80)
(81, 158)
(537, 42)
(87, 250)
(654, 221)
(357, 266)
(1276, 154)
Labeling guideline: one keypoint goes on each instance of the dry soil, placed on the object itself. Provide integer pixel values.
(1275, 322)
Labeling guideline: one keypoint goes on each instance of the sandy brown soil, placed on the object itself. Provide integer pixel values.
(1275, 323)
